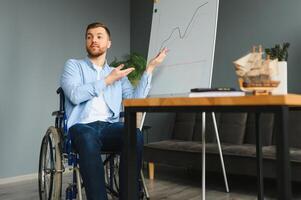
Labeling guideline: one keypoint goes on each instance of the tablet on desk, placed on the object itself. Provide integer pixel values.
(221, 89)
(215, 92)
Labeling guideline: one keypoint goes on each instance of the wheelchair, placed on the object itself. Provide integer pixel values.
(57, 156)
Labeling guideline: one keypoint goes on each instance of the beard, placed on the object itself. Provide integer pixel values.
(94, 54)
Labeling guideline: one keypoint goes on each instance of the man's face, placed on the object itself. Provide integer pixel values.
(97, 42)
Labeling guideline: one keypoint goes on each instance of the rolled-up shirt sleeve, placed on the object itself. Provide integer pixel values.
(73, 86)
(142, 89)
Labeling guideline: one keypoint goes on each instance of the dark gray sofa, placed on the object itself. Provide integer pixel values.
(237, 135)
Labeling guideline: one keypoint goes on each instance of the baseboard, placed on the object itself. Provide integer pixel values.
(15, 179)
(26, 177)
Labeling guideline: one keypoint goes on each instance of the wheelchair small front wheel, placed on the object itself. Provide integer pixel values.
(50, 166)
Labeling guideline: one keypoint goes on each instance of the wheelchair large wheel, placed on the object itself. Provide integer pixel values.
(50, 166)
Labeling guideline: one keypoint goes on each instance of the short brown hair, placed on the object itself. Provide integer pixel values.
(96, 25)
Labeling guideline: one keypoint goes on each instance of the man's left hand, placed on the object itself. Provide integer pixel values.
(153, 63)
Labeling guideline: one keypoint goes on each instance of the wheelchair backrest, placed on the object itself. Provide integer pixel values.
(61, 124)
(60, 92)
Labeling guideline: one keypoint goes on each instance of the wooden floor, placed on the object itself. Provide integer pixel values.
(173, 183)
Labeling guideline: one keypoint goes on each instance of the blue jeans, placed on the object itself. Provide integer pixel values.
(89, 140)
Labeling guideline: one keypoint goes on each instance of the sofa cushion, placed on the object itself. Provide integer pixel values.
(209, 128)
(269, 152)
(266, 121)
(232, 127)
(295, 154)
(181, 145)
(181, 153)
(184, 125)
(246, 150)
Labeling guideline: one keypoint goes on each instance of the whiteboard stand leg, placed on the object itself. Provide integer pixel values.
(203, 156)
(141, 172)
(142, 121)
(220, 151)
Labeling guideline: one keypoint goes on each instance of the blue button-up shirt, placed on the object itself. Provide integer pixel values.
(80, 85)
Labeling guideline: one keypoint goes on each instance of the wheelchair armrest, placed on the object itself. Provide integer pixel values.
(59, 113)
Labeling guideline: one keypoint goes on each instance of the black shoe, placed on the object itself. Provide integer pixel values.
(141, 194)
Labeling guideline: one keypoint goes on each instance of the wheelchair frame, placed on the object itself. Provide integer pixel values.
(56, 152)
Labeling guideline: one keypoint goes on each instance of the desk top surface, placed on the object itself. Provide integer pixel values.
(263, 100)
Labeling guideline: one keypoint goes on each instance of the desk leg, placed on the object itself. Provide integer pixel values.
(283, 159)
(260, 183)
(129, 171)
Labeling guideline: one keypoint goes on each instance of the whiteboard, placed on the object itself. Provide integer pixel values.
(188, 29)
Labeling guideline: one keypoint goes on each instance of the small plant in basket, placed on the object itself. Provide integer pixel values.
(279, 52)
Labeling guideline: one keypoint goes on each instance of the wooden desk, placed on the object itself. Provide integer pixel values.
(279, 105)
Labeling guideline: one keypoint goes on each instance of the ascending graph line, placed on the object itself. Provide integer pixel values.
(181, 36)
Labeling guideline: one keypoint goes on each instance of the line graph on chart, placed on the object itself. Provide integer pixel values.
(177, 30)
(187, 28)
(178, 36)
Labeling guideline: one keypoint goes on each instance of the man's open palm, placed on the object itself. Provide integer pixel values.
(159, 58)
(117, 74)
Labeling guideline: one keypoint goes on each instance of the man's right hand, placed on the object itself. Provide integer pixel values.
(118, 74)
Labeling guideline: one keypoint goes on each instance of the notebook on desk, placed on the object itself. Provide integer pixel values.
(204, 92)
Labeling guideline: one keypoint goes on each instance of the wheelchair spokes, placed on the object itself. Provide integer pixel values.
(46, 169)
(50, 166)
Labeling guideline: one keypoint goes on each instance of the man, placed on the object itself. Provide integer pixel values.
(94, 93)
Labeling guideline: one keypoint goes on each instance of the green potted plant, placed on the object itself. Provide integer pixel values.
(139, 63)
(280, 52)
(132, 60)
